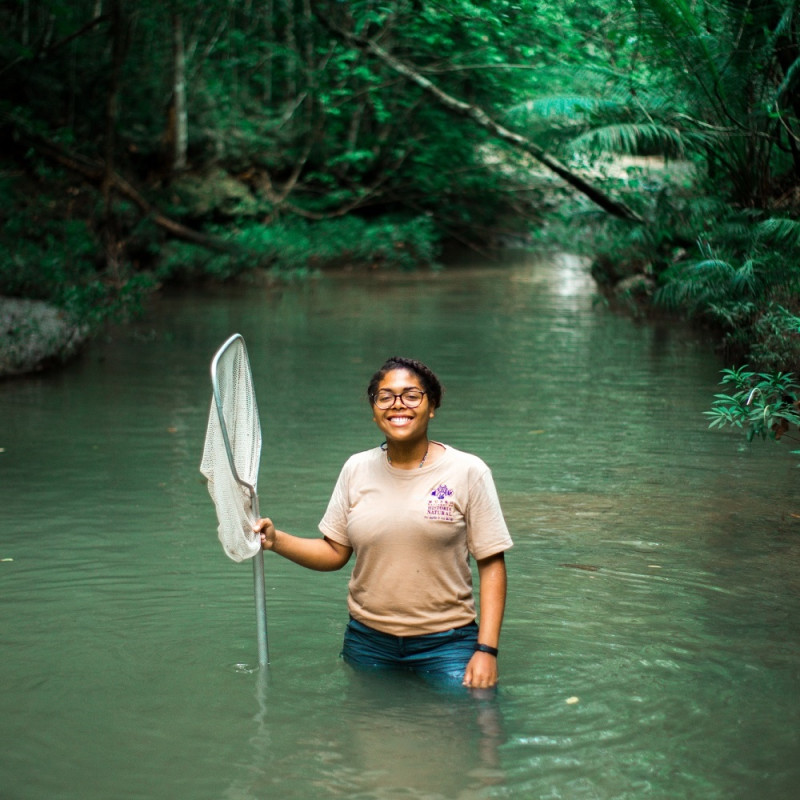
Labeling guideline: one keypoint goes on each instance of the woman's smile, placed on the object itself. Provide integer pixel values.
(398, 422)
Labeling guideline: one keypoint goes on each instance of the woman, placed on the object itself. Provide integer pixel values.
(413, 511)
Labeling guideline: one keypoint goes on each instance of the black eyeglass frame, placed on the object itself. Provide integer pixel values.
(374, 398)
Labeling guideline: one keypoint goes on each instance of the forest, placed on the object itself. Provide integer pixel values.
(154, 143)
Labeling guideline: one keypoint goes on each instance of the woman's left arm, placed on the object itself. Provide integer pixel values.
(481, 672)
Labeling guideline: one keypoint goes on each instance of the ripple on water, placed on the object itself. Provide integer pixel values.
(651, 635)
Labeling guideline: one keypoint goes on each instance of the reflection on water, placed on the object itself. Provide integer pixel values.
(382, 738)
(651, 642)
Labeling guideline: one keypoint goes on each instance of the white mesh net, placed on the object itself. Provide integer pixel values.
(232, 468)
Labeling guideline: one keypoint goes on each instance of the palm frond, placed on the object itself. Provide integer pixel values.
(789, 79)
(685, 32)
(744, 280)
(780, 230)
(714, 268)
(632, 139)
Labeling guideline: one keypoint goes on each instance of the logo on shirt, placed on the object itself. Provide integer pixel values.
(440, 508)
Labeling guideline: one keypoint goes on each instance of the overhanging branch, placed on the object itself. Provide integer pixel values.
(482, 119)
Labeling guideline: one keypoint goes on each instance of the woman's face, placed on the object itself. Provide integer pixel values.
(398, 422)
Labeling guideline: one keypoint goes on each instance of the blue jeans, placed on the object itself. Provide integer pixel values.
(440, 658)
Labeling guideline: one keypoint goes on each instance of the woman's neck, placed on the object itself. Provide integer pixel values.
(408, 456)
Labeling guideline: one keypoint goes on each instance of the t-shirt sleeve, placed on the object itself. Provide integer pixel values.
(334, 522)
(487, 532)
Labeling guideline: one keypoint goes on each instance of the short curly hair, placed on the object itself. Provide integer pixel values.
(430, 383)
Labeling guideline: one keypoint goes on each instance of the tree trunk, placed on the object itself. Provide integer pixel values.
(25, 35)
(180, 140)
(269, 35)
(292, 58)
(110, 237)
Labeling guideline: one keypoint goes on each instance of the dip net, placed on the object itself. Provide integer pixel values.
(232, 450)
(231, 456)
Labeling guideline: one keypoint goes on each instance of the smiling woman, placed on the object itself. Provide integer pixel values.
(405, 395)
(413, 511)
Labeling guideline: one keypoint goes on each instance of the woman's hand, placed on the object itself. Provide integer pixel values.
(266, 530)
(322, 554)
(481, 672)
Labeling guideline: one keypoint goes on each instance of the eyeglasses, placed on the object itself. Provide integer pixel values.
(410, 398)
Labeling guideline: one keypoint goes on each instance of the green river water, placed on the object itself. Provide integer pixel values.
(650, 648)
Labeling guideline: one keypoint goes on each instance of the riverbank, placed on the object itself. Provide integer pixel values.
(35, 335)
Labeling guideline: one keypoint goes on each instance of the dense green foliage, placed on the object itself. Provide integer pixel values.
(246, 123)
(149, 142)
(714, 87)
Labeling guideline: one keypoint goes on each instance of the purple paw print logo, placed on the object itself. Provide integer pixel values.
(441, 491)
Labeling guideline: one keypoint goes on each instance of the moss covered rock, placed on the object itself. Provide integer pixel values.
(35, 335)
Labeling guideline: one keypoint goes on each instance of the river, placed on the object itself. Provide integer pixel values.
(651, 647)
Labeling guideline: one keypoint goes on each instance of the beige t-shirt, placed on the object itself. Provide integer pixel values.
(412, 532)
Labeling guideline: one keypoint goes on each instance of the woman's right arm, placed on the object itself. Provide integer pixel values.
(323, 555)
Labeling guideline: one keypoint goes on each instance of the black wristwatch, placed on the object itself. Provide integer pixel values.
(485, 648)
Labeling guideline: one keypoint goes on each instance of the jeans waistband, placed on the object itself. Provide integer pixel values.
(469, 626)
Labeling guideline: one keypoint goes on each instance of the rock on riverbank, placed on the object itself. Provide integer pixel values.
(35, 335)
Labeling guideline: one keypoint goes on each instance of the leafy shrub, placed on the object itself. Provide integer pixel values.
(296, 248)
(764, 405)
(747, 283)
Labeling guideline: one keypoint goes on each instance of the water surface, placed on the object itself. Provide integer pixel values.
(651, 640)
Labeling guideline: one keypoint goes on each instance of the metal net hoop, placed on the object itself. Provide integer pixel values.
(232, 450)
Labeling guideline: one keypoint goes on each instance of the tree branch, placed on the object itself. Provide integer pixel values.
(95, 173)
(483, 120)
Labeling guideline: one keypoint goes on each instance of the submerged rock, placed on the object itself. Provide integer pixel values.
(35, 335)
